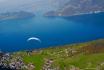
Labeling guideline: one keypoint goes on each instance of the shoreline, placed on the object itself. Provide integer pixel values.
(57, 46)
(80, 14)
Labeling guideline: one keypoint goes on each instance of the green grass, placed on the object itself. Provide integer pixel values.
(37, 60)
(83, 60)
(61, 60)
(80, 61)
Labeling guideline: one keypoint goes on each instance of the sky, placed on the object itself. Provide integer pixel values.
(28, 5)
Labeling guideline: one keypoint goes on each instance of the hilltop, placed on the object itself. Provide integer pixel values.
(81, 56)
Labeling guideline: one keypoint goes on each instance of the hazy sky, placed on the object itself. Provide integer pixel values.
(29, 5)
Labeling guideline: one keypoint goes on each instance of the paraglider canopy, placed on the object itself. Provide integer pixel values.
(33, 39)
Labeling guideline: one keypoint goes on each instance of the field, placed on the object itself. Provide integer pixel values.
(83, 56)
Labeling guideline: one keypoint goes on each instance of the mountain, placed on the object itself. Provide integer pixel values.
(16, 15)
(37, 6)
(76, 7)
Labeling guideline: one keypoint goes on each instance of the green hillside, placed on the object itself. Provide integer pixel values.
(83, 56)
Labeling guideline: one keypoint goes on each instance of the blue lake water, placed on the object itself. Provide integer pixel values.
(51, 31)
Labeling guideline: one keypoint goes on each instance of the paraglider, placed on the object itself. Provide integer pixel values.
(33, 39)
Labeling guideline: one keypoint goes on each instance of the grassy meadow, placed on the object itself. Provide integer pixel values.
(81, 56)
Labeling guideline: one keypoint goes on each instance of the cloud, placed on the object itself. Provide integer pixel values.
(28, 5)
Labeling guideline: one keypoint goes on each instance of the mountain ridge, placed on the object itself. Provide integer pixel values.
(74, 7)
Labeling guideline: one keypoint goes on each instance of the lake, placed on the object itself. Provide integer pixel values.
(52, 31)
